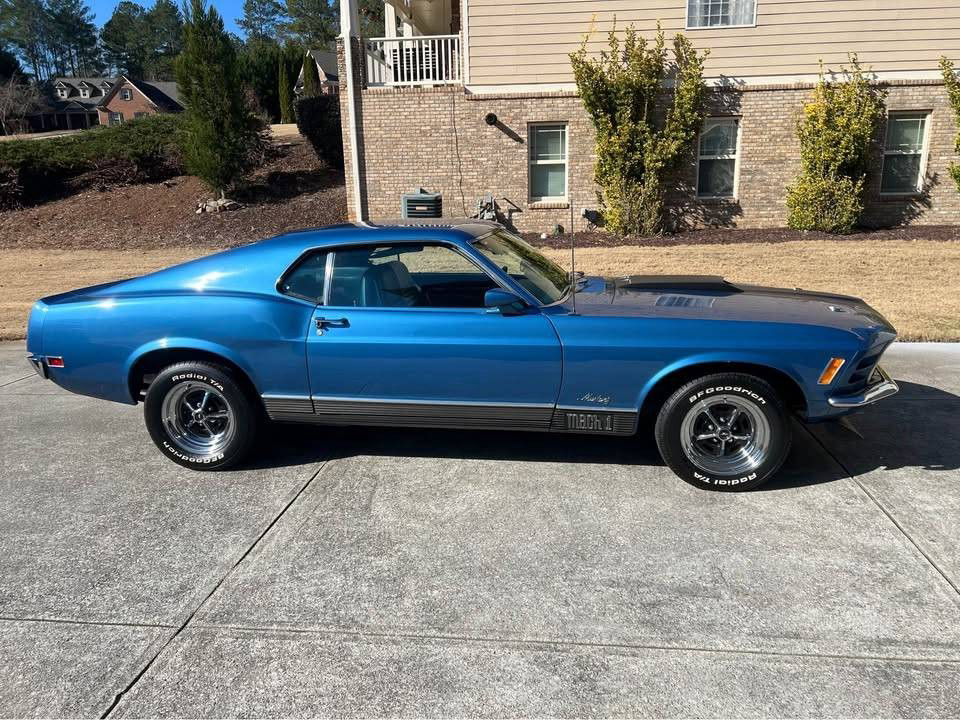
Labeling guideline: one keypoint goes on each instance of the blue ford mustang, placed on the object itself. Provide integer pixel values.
(461, 325)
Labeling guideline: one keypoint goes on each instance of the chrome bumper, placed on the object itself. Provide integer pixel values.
(878, 391)
(39, 366)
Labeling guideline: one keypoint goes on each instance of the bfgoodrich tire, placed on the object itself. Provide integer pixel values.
(199, 417)
(727, 432)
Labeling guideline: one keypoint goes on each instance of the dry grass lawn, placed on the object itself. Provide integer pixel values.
(916, 284)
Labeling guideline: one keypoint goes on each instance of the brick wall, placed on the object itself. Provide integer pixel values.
(136, 104)
(437, 138)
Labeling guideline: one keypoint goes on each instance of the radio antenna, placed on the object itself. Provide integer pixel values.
(573, 261)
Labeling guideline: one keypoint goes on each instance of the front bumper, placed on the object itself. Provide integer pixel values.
(39, 365)
(882, 387)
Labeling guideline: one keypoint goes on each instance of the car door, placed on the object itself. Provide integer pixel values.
(403, 338)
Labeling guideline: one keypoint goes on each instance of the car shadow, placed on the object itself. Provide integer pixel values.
(893, 434)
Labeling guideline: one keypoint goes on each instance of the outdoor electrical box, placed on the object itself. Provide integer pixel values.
(421, 204)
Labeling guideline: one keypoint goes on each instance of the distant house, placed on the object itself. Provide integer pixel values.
(80, 103)
(71, 103)
(129, 99)
(326, 70)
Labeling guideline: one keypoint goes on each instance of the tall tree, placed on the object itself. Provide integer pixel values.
(218, 132)
(258, 60)
(165, 31)
(314, 22)
(9, 65)
(311, 78)
(72, 38)
(285, 92)
(25, 26)
(126, 41)
(263, 19)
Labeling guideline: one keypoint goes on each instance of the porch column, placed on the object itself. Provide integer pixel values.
(349, 41)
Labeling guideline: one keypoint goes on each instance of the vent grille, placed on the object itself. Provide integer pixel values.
(422, 204)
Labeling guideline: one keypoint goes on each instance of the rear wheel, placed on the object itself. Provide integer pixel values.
(199, 416)
(728, 431)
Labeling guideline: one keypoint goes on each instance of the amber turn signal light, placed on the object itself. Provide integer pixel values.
(830, 371)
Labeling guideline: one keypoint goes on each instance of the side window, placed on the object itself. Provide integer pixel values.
(903, 153)
(306, 280)
(717, 158)
(406, 276)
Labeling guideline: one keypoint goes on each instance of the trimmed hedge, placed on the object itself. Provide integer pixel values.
(318, 120)
(143, 150)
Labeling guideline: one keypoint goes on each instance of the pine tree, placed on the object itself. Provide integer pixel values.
(286, 97)
(262, 18)
(218, 132)
(311, 79)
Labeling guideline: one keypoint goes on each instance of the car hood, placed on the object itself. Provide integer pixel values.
(705, 297)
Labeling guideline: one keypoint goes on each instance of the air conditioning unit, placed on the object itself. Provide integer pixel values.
(421, 204)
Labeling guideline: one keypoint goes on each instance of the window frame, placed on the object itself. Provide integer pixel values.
(688, 26)
(924, 153)
(62, 92)
(713, 120)
(331, 252)
(110, 117)
(531, 129)
(126, 94)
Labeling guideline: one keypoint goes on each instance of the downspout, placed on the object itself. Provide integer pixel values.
(348, 12)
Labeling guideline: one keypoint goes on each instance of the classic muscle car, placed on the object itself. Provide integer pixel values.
(461, 325)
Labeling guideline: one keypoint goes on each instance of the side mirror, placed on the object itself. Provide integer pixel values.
(503, 301)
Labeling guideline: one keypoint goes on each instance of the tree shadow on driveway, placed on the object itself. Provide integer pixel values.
(906, 431)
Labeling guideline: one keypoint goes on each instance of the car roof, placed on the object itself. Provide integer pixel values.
(455, 229)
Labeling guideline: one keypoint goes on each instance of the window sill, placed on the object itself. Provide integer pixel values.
(549, 205)
(900, 196)
(718, 199)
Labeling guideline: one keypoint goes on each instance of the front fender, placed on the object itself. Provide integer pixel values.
(761, 359)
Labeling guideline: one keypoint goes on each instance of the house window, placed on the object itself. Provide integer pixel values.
(548, 162)
(126, 94)
(61, 92)
(85, 93)
(116, 118)
(904, 153)
(720, 13)
(717, 158)
(139, 115)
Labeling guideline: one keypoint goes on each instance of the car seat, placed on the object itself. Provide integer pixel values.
(390, 284)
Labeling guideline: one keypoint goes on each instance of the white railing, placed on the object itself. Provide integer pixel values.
(419, 60)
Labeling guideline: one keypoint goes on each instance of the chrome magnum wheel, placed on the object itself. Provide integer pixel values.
(725, 435)
(728, 431)
(199, 416)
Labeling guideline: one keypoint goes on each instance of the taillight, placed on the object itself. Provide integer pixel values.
(54, 361)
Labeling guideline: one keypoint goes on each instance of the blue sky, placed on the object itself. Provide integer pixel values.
(229, 9)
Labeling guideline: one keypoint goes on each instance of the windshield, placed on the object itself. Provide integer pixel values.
(542, 278)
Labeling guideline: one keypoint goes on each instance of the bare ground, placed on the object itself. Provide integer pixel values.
(293, 190)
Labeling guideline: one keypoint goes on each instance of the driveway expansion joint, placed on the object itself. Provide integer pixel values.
(896, 523)
(12, 382)
(547, 644)
(73, 621)
(178, 629)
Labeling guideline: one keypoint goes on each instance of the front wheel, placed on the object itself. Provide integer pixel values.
(728, 431)
(198, 416)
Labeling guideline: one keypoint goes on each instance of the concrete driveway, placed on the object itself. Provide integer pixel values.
(425, 573)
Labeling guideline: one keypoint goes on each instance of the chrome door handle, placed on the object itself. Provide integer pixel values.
(323, 322)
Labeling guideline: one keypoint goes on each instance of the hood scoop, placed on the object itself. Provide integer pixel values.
(688, 283)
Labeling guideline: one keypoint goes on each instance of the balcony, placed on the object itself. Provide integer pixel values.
(416, 60)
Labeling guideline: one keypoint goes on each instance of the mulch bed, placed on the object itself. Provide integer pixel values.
(943, 233)
(293, 190)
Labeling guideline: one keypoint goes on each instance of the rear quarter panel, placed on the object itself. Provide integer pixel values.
(101, 339)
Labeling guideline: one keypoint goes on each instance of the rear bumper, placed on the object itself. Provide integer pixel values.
(39, 366)
(884, 387)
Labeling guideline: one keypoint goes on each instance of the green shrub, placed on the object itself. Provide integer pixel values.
(953, 94)
(137, 151)
(836, 132)
(318, 120)
(621, 91)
